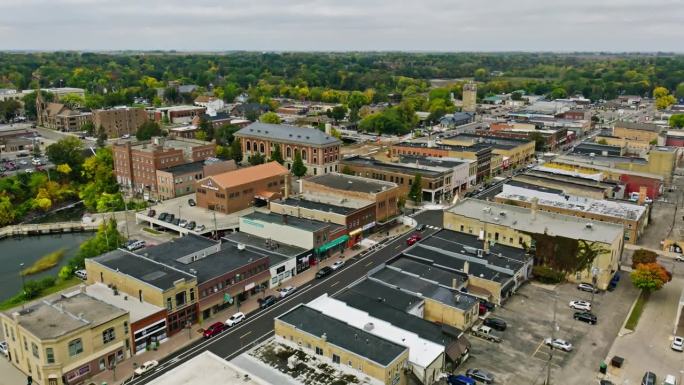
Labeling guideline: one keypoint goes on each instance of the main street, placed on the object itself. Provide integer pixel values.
(259, 325)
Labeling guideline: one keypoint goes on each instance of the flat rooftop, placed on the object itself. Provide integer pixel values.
(136, 309)
(214, 370)
(432, 161)
(143, 269)
(288, 220)
(569, 179)
(177, 247)
(401, 168)
(496, 142)
(638, 126)
(426, 271)
(523, 219)
(274, 250)
(344, 182)
(380, 292)
(618, 210)
(426, 288)
(63, 314)
(475, 147)
(586, 161)
(422, 352)
(343, 335)
(318, 206)
(184, 144)
(186, 168)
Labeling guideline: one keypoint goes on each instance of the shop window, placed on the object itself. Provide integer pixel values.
(50, 355)
(108, 335)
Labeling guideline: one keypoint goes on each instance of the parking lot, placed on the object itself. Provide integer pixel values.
(522, 357)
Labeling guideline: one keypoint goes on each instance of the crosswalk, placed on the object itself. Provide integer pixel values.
(432, 227)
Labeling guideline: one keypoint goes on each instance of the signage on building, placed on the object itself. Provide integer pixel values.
(368, 226)
(253, 223)
(210, 185)
(250, 286)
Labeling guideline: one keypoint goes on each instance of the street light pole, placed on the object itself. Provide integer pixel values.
(553, 337)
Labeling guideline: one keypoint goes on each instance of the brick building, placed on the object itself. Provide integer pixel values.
(480, 152)
(180, 180)
(175, 114)
(320, 152)
(119, 121)
(237, 190)
(135, 166)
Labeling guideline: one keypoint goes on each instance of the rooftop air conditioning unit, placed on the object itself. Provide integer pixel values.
(241, 246)
(589, 225)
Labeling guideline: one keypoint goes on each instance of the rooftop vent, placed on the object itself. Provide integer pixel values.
(368, 327)
(589, 225)
(241, 246)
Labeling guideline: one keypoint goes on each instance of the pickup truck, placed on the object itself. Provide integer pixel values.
(486, 333)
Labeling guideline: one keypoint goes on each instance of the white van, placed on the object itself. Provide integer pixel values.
(83, 274)
(670, 380)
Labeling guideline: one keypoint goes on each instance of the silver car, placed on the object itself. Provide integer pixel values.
(480, 375)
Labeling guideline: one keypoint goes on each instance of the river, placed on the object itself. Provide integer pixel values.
(14, 251)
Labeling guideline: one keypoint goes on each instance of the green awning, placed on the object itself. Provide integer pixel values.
(333, 243)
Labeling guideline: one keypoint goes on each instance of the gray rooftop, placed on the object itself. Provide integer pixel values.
(523, 219)
(288, 220)
(185, 168)
(392, 296)
(315, 205)
(426, 271)
(430, 161)
(177, 247)
(343, 335)
(286, 133)
(638, 126)
(352, 183)
(61, 315)
(143, 269)
(425, 288)
(402, 168)
(137, 309)
(276, 251)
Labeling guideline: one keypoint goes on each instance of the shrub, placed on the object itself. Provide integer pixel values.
(546, 274)
(46, 262)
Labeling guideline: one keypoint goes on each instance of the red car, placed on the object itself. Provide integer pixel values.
(214, 329)
(413, 239)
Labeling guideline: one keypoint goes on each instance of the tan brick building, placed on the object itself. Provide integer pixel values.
(237, 190)
(180, 180)
(384, 194)
(119, 121)
(135, 166)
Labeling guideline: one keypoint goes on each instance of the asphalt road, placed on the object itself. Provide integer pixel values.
(259, 325)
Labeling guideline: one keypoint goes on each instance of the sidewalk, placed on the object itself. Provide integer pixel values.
(182, 339)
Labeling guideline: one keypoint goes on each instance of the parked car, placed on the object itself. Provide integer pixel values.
(480, 375)
(460, 379)
(169, 218)
(337, 265)
(134, 244)
(200, 228)
(323, 272)
(679, 258)
(421, 227)
(580, 305)
(176, 221)
(151, 213)
(266, 301)
(3, 349)
(585, 316)
(29, 171)
(495, 323)
(146, 367)
(678, 344)
(649, 379)
(670, 380)
(162, 216)
(191, 225)
(213, 329)
(587, 287)
(413, 239)
(125, 136)
(192, 202)
(183, 223)
(23, 162)
(285, 291)
(83, 274)
(558, 343)
(235, 319)
(36, 161)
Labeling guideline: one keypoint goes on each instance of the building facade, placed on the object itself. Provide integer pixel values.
(180, 180)
(469, 97)
(319, 151)
(119, 121)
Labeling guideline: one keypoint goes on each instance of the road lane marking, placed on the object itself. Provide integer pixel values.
(333, 285)
(246, 334)
(369, 263)
(537, 349)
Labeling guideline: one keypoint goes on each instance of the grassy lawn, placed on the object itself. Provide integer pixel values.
(59, 286)
(151, 231)
(634, 316)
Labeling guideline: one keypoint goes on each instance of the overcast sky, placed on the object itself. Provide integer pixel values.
(340, 25)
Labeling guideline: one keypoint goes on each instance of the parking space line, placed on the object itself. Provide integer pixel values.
(538, 347)
(333, 285)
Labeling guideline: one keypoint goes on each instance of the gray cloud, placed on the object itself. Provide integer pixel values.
(426, 25)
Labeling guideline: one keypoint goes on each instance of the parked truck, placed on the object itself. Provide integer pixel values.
(486, 333)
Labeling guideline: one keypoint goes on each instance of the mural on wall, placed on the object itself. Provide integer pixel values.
(565, 254)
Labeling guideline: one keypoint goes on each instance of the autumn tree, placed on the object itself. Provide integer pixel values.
(650, 277)
(643, 256)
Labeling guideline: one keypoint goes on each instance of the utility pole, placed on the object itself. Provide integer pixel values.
(553, 337)
(23, 285)
(128, 235)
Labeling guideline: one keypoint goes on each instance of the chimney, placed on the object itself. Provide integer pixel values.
(642, 195)
(328, 129)
(534, 207)
(466, 268)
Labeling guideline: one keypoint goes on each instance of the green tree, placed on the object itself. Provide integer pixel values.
(665, 101)
(9, 109)
(147, 130)
(270, 117)
(101, 137)
(230, 92)
(337, 113)
(677, 121)
(298, 167)
(256, 159)
(106, 239)
(223, 152)
(277, 154)
(88, 128)
(416, 190)
(679, 92)
(650, 277)
(107, 202)
(236, 151)
(660, 92)
(480, 74)
(7, 213)
(30, 102)
(68, 151)
(72, 101)
(517, 95)
(98, 170)
(559, 93)
(347, 170)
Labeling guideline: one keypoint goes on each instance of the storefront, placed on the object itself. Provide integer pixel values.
(330, 248)
(149, 336)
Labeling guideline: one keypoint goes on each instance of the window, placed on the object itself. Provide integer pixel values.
(319, 351)
(192, 295)
(336, 358)
(108, 335)
(169, 306)
(75, 347)
(25, 344)
(180, 299)
(34, 350)
(126, 327)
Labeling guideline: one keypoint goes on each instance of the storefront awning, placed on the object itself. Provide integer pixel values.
(264, 195)
(333, 243)
(354, 232)
(457, 349)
